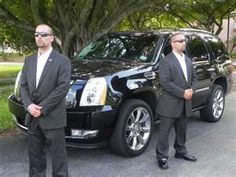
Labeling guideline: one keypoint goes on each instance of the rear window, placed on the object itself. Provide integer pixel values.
(217, 46)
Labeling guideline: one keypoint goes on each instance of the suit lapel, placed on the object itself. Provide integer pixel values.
(33, 70)
(180, 68)
(46, 67)
(189, 69)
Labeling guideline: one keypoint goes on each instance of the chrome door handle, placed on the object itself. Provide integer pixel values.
(211, 69)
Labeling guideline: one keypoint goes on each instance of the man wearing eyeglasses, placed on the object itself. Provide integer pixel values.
(44, 84)
(177, 79)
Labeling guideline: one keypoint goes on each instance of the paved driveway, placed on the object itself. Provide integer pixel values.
(213, 143)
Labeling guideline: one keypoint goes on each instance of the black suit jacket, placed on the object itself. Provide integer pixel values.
(171, 102)
(51, 91)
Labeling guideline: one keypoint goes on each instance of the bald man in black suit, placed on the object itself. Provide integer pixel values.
(44, 84)
(177, 79)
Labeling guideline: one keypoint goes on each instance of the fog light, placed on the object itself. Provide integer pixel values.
(84, 133)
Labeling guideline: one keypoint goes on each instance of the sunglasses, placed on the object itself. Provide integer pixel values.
(180, 41)
(42, 34)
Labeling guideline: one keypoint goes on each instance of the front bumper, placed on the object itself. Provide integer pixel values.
(87, 127)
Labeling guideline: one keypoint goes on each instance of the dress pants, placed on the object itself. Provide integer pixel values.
(180, 126)
(39, 142)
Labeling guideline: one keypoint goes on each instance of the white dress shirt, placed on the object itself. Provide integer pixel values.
(41, 61)
(182, 63)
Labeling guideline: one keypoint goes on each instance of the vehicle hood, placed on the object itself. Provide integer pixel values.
(85, 69)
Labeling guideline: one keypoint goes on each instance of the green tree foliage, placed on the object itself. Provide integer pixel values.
(10, 35)
(12, 38)
(75, 22)
(149, 20)
(201, 14)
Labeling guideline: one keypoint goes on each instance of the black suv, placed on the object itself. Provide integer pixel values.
(115, 87)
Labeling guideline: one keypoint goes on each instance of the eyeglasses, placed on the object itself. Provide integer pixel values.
(42, 34)
(180, 41)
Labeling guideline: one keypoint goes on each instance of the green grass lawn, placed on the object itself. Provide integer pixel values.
(6, 121)
(7, 79)
(9, 71)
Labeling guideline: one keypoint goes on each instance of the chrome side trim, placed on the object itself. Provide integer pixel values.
(203, 89)
(198, 108)
(210, 69)
(201, 62)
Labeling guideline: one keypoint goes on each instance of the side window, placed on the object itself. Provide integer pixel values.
(166, 49)
(217, 47)
(196, 49)
(145, 48)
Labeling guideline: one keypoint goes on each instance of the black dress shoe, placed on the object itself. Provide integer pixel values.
(186, 156)
(163, 164)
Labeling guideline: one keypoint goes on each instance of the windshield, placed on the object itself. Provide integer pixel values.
(122, 47)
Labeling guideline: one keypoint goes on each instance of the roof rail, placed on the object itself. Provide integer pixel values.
(194, 30)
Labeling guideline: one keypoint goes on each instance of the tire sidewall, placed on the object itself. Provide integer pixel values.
(210, 106)
(126, 109)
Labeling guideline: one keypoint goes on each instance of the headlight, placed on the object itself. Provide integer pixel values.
(17, 86)
(94, 93)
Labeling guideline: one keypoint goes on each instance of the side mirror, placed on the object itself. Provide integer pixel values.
(194, 59)
(221, 58)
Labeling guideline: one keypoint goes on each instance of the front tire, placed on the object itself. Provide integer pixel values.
(215, 105)
(133, 130)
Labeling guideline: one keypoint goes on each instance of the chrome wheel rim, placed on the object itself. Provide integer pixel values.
(218, 104)
(138, 128)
